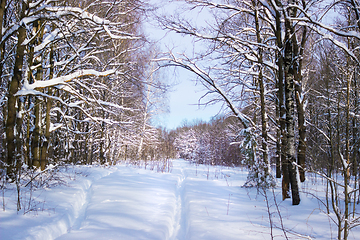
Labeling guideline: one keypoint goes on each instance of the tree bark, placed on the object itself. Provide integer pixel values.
(264, 135)
(45, 146)
(13, 88)
(2, 45)
(355, 138)
(37, 133)
(282, 140)
(2, 56)
(38, 104)
(289, 66)
(299, 53)
(346, 161)
(301, 154)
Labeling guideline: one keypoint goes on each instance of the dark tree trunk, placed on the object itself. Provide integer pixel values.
(2, 45)
(12, 99)
(45, 147)
(290, 66)
(282, 164)
(2, 83)
(37, 161)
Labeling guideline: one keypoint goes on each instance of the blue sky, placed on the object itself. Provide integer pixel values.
(185, 94)
(183, 102)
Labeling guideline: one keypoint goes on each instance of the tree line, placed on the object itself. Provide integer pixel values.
(288, 70)
(77, 83)
(208, 142)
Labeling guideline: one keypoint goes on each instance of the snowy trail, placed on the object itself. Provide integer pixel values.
(81, 213)
(179, 226)
(124, 205)
(139, 204)
(189, 203)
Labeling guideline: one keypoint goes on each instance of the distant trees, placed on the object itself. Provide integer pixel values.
(208, 143)
(242, 67)
(262, 60)
(76, 83)
(334, 116)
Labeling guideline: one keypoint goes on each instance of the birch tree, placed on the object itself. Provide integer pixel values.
(77, 82)
(338, 99)
(246, 54)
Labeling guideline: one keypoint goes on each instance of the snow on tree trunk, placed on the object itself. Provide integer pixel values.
(289, 66)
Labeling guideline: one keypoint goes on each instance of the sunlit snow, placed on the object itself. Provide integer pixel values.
(186, 201)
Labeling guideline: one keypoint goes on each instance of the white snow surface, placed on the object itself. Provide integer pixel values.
(188, 202)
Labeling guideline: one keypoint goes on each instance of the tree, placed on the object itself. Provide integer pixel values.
(243, 42)
(78, 83)
(12, 99)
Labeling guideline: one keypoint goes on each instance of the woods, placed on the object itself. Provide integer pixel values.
(288, 70)
(81, 84)
(77, 84)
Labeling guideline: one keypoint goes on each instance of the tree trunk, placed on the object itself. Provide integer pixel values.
(2, 56)
(29, 131)
(13, 88)
(37, 161)
(289, 66)
(278, 138)
(19, 135)
(45, 147)
(282, 140)
(355, 139)
(2, 46)
(290, 146)
(56, 140)
(346, 162)
(302, 136)
(331, 165)
(264, 135)
(37, 133)
(102, 143)
(88, 146)
(299, 53)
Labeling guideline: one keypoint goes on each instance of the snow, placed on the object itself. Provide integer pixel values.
(188, 202)
(28, 89)
(55, 126)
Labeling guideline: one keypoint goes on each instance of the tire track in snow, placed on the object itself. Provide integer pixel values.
(83, 201)
(81, 214)
(180, 224)
(130, 204)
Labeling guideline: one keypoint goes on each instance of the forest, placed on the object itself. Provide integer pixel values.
(82, 83)
(77, 83)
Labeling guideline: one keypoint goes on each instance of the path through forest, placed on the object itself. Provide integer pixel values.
(190, 202)
(124, 205)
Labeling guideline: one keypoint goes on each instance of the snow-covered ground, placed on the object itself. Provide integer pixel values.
(189, 202)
